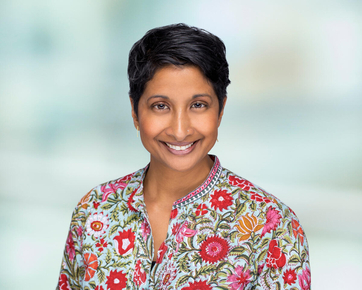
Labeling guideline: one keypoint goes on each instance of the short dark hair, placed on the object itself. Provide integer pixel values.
(179, 45)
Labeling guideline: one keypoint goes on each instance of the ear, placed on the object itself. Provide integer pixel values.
(222, 111)
(134, 116)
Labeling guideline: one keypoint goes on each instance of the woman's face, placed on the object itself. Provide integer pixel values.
(178, 118)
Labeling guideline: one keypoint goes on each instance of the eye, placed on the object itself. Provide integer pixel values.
(160, 106)
(198, 105)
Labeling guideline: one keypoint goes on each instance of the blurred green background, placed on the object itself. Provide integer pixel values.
(292, 123)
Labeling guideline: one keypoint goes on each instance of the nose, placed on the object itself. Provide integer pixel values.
(180, 126)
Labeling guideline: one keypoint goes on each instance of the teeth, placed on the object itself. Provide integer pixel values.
(180, 148)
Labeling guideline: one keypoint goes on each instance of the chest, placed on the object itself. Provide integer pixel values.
(201, 247)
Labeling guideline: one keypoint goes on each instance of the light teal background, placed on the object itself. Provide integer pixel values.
(292, 123)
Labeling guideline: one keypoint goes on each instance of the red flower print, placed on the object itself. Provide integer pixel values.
(214, 249)
(116, 280)
(272, 220)
(240, 182)
(131, 200)
(63, 282)
(289, 277)
(239, 279)
(304, 280)
(91, 265)
(139, 275)
(174, 213)
(221, 199)
(202, 285)
(276, 258)
(161, 252)
(259, 198)
(297, 231)
(101, 245)
(292, 211)
(201, 210)
(70, 247)
(175, 228)
(99, 288)
(124, 242)
(96, 204)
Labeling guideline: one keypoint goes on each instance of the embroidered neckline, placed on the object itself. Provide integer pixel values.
(204, 188)
(200, 191)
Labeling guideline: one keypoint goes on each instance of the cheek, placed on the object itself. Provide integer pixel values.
(209, 126)
(150, 128)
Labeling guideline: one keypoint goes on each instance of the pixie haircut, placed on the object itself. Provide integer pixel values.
(179, 45)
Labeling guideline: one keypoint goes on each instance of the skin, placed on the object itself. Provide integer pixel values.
(178, 107)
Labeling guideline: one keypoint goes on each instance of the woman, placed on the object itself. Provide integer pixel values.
(183, 221)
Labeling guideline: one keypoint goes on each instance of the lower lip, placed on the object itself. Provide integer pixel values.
(181, 152)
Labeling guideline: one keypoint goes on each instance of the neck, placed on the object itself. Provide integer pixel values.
(164, 186)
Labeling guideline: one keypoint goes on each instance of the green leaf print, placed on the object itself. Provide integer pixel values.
(101, 276)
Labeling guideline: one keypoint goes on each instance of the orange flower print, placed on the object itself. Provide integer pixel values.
(247, 225)
(84, 201)
(297, 231)
(91, 265)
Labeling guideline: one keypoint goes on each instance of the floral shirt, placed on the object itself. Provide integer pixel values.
(226, 234)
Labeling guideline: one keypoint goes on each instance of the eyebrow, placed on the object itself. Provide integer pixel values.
(167, 98)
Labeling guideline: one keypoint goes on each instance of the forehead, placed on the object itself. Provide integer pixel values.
(178, 80)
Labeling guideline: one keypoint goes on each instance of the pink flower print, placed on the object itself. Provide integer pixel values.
(272, 220)
(111, 187)
(79, 231)
(107, 190)
(304, 280)
(260, 268)
(239, 279)
(70, 248)
(145, 230)
(184, 232)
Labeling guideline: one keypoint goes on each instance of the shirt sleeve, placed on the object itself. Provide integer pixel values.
(283, 256)
(72, 268)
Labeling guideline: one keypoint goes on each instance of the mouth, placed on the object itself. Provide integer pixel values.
(179, 148)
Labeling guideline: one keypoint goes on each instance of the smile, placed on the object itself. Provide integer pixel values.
(180, 148)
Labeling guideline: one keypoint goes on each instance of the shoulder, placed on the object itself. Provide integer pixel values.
(258, 201)
(100, 193)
